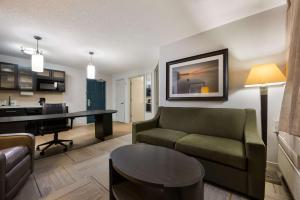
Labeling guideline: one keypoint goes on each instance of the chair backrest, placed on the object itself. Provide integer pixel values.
(54, 108)
(221, 122)
(54, 124)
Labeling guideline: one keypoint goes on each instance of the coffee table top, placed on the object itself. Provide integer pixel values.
(156, 165)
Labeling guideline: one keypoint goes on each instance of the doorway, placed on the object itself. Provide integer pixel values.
(137, 99)
(120, 99)
(95, 94)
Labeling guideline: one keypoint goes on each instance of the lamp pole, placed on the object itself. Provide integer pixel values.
(264, 112)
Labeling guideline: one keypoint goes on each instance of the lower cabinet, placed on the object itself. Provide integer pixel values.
(19, 127)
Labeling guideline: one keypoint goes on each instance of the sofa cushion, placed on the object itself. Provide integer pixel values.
(14, 155)
(220, 122)
(222, 150)
(161, 137)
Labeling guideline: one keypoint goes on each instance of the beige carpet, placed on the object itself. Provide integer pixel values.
(82, 136)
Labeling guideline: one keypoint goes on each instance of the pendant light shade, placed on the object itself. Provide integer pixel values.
(37, 59)
(37, 63)
(91, 70)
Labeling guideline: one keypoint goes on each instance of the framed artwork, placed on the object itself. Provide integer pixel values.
(200, 77)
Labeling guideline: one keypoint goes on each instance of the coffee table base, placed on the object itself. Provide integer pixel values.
(122, 189)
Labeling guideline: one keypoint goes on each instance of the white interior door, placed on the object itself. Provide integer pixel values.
(137, 99)
(120, 100)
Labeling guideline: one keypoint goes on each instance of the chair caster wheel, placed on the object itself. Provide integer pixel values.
(42, 153)
(65, 149)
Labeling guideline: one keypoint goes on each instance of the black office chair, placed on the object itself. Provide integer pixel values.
(54, 126)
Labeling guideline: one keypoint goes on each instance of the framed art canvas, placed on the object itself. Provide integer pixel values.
(200, 77)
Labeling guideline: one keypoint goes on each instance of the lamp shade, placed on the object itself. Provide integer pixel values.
(265, 75)
(91, 71)
(37, 62)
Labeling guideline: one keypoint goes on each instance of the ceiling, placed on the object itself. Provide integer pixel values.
(124, 35)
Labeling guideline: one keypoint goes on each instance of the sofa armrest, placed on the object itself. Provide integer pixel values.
(256, 157)
(18, 139)
(144, 125)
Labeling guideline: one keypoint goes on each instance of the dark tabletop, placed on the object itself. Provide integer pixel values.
(55, 116)
(157, 165)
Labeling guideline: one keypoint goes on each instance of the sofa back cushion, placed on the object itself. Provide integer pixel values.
(220, 122)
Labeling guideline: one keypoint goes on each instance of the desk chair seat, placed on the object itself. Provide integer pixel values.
(54, 126)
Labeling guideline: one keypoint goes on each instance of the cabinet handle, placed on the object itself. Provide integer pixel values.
(11, 111)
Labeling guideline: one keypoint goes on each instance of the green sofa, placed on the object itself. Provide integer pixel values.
(224, 140)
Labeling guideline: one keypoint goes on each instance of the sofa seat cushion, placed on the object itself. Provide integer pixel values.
(159, 136)
(14, 155)
(222, 150)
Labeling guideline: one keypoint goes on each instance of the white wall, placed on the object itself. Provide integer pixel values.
(126, 76)
(75, 95)
(253, 40)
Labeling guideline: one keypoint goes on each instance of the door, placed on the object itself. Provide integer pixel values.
(120, 100)
(137, 99)
(95, 97)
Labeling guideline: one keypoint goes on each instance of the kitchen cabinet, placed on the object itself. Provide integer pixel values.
(45, 74)
(8, 76)
(19, 78)
(26, 79)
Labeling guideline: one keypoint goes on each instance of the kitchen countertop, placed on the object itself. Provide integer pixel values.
(32, 106)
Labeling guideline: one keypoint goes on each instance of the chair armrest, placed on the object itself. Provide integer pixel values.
(18, 139)
(256, 156)
(144, 125)
(2, 175)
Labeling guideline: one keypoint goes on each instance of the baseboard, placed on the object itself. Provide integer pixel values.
(272, 165)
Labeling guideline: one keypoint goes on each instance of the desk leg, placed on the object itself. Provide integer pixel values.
(103, 126)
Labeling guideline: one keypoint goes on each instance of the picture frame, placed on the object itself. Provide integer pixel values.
(201, 77)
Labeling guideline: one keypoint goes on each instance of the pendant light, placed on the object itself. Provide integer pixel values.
(91, 71)
(37, 59)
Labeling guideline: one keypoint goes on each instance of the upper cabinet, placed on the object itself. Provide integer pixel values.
(13, 77)
(51, 74)
(58, 75)
(51, 80)
(26, 79)
(8, 76)
(45, 74)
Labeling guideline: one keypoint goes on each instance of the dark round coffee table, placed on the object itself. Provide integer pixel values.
(142, 171)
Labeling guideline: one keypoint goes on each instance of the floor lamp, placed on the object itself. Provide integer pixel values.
(263, 76)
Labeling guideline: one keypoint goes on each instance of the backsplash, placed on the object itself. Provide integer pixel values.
(33, 100)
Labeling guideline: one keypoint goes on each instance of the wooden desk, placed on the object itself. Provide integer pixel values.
(103, 123)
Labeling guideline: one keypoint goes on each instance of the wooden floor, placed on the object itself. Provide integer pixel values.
(83, 173)
(82, 136)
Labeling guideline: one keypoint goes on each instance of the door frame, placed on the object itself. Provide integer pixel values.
(116, 81)
(144, 94)
(156, 89)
